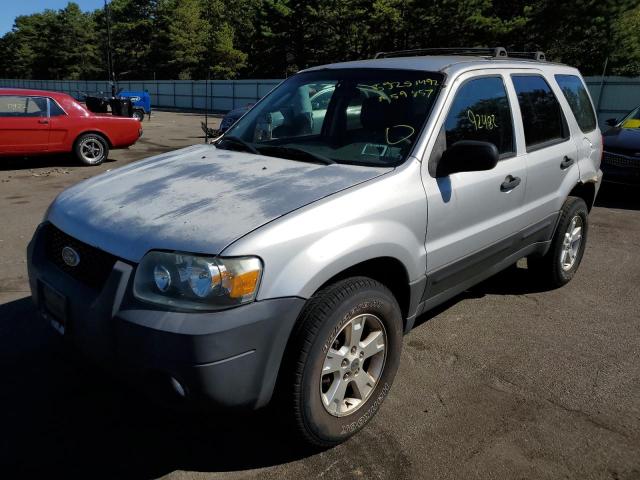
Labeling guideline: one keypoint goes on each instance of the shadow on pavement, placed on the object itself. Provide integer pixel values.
(41, 161)
(514, 280)
(618, 196)
(60, 416)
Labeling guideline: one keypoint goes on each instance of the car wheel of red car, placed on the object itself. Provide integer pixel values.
(91, 149)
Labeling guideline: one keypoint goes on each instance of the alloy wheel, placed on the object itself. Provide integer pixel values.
(353, 365)
(571, 243)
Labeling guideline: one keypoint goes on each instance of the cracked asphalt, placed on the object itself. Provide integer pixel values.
(504, 381)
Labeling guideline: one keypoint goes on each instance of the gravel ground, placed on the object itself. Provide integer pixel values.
(505, 381)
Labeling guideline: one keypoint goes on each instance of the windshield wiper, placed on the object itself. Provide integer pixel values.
(294, 153)
(238, 141)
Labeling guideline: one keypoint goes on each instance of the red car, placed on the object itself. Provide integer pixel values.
(34, 122)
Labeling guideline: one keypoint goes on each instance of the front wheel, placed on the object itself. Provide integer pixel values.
(347, 351)
(91, 149)
(138, 115)
(561, 262)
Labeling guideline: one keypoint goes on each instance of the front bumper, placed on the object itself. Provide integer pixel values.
(620, 168)
(229, 358)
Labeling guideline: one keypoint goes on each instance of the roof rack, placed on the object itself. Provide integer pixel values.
(495, 52)
(484, 52)
(537, 55)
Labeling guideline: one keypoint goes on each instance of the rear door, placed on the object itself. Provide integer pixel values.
(552, 158)
(24, 124)
(473, 217)
(588, 137)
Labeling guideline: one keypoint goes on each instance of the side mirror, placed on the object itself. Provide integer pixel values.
(612, 122)
(467, 156)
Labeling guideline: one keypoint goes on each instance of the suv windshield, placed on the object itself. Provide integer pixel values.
(355, 116)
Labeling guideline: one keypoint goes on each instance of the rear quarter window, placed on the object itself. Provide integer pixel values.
(578, 99)
(542, 118)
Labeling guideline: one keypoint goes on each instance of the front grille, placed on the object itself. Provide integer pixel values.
(618, 160)
(95, 265)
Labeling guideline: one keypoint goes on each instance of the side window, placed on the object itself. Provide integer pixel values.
(13, 106)
(576, 94)
(54, 109)
(542, 116)
(480, 111)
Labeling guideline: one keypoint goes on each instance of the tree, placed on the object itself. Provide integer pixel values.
(221, 58)
(626, 57)
(77, 52)
(187, 35)
(133, 34)
(275, 38)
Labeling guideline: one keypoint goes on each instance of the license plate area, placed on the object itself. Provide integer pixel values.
(54, 307)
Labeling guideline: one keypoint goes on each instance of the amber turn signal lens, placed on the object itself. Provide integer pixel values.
(244, 284)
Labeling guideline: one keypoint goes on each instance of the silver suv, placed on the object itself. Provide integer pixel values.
(293, 254)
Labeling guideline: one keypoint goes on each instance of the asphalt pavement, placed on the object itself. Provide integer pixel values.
(505, 381)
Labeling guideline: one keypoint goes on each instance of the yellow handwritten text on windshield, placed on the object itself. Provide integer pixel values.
(395, 90)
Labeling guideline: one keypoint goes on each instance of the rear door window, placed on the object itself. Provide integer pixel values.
(542, 117)
(578, 99)
(481, 112)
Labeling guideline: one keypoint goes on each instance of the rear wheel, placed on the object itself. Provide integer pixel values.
(346, 353)
(138, 115)
(91, 149)
(561, 262)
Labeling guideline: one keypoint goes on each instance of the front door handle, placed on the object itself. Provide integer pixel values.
(43, 121)
(566, 163)
(509, 183)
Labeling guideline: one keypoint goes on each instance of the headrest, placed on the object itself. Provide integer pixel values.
(378, 115)
(374, 114)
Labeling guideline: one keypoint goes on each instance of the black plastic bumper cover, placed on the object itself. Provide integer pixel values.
(229, 357)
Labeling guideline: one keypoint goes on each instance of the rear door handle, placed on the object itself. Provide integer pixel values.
(566, 163)
(509, 183)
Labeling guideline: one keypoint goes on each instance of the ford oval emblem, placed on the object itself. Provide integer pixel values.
(70, 257)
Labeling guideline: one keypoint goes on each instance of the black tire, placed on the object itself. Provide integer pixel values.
(138, 115)
(322, 319)
(88, 145)
(549, 268)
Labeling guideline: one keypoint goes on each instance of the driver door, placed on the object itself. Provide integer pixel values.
(474, 217)
(24, 124)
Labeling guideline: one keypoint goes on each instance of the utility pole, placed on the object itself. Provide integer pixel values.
(107, 15)
(604, 72)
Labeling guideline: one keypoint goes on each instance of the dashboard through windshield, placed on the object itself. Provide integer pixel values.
(355, 116)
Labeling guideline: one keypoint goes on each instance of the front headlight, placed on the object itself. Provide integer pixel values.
(196, 282)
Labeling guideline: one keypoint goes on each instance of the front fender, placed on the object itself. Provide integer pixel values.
(384, 217)
(309, 269)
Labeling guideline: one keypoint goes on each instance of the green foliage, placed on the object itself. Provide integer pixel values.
(190, 39)
(626, 59)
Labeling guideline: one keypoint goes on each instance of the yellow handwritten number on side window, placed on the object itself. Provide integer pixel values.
(482, 122)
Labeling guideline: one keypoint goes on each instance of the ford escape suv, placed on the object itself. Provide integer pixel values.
(293, 254)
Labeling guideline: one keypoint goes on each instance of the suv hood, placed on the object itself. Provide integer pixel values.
(198, 199)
